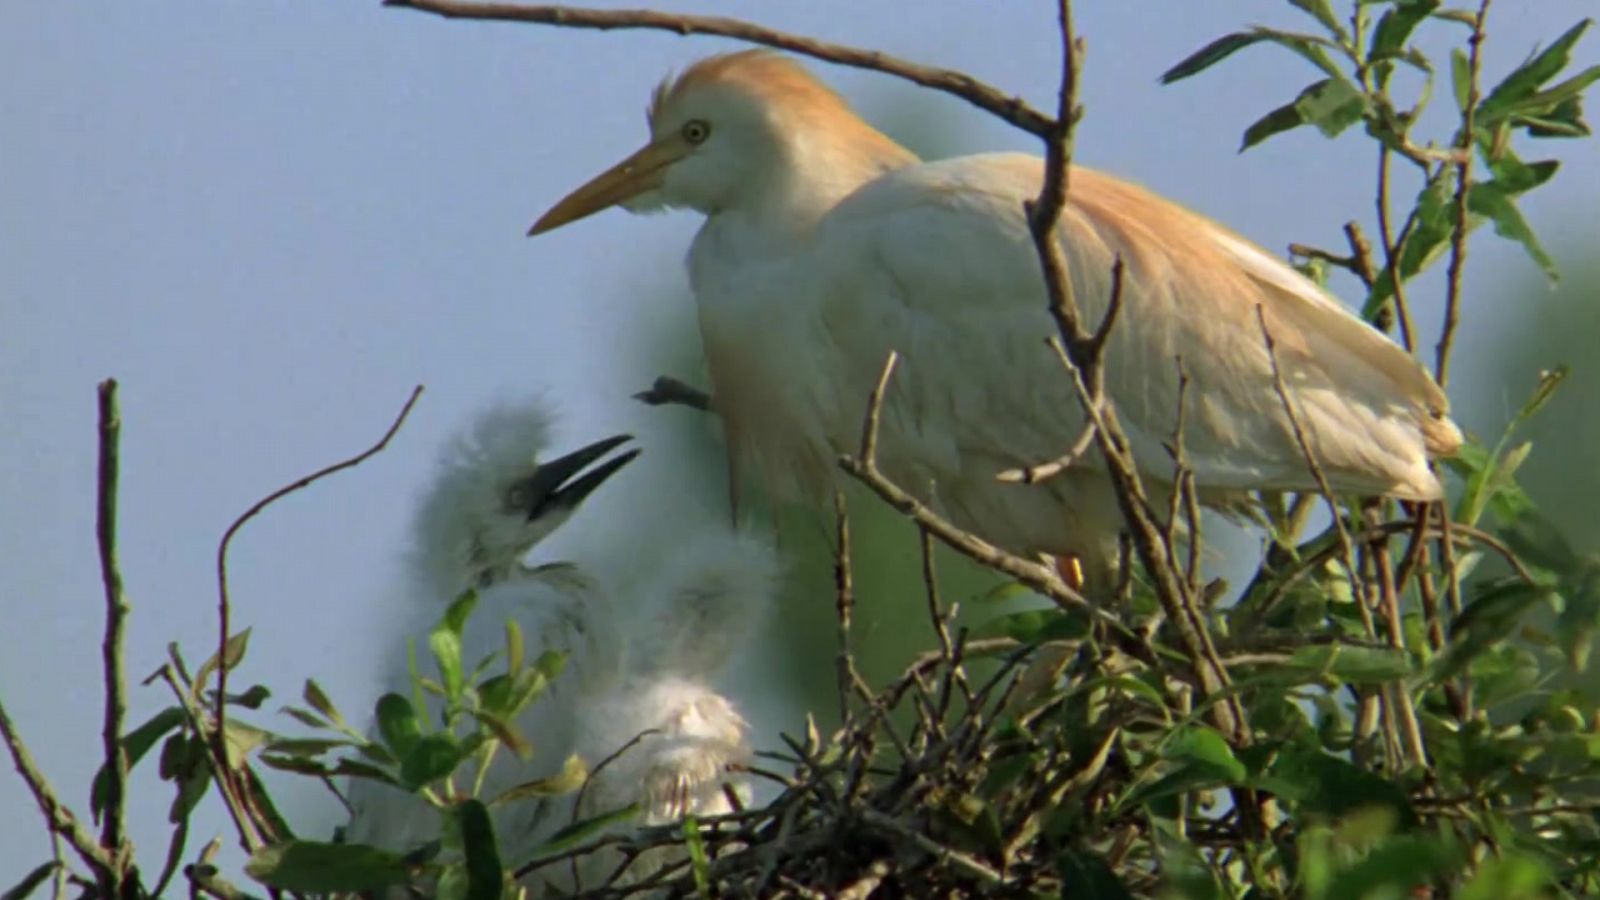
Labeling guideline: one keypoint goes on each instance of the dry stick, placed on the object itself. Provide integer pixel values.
(232, 796)
(941, 852)
(583, 789)
(1410, 727)
(1011, 109)
(1393, 250)
(1400, 700)
(1458, 234)
(56, 815)
(117, 875)
(1085, 351)
(1046, 470)
(844, 603)
(1346, 545)
(1037, 576)
(219, 738)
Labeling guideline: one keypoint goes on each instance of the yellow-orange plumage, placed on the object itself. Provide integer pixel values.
(826, 245)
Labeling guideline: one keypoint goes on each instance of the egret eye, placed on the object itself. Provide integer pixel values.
(695, 131)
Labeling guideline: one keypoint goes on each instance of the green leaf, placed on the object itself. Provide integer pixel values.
(496, 695)
(241, 738)
(1389, 38)
(1207, 748)
(1511, 877)
(252, 698)
(571, 777)
(318, 700)
(431, 757)
(1460, 78)
(485, 877)
(1395, 867)
(1285, 118)
(135, 744)
(319, 867)
(1488, 619)
(303, 746)
(1316, 784)
(1086, 876)
(300, 765)
(358, 769)
(1353, 665)
(1492, 200)
(1331, 104)
(699, 862)
(1322, 11)
(398, 723)
(582, 830)
(1517, 177)
(514, 648)
(1563, 120)
(445, 642)
(505, 732)
(1036, 625)
(1204, 760)
(232, 654)
(1526, 79)
(31, 881)
(535, 679)
(305, 717)
(1435, 212)
(190, 772)
(1558, 111)
(1307, 46)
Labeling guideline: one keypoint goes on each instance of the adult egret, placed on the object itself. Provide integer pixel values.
(826, 245)
(645, 644)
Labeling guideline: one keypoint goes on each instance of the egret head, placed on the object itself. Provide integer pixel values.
(733, 131)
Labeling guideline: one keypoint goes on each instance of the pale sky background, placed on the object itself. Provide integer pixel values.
(271, 220)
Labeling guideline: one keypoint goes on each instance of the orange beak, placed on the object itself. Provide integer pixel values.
(641, 172)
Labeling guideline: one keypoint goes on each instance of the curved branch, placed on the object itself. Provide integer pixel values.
(948, 81)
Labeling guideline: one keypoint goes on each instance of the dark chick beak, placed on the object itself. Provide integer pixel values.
(558, 486)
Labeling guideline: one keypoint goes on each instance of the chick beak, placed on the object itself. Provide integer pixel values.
(641, 172)
(549, 490)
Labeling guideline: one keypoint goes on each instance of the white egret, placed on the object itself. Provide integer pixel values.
(645, 644)
(826, 245)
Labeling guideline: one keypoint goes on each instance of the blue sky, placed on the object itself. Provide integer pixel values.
(271, 220)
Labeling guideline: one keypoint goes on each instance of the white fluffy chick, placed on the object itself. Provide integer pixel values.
(644, 645)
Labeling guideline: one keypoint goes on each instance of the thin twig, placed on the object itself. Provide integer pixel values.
(219, 738)
(56, 815)
(1458, 233)
(949, 855)
(1393, 252)
(116, 683)
(232, 792)
(844, 598)
(1046, 470)
(1297, 428)
(1012, 109)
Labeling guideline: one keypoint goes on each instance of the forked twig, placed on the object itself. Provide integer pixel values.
(219, 736)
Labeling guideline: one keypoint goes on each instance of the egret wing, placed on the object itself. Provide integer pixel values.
(936, 261)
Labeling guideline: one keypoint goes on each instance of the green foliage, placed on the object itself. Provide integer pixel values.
(1358, 88)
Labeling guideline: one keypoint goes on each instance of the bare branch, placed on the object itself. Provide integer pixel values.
(957, 84)
(116, 684)
(219, 737)
(56, 815)
(1463, 168)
